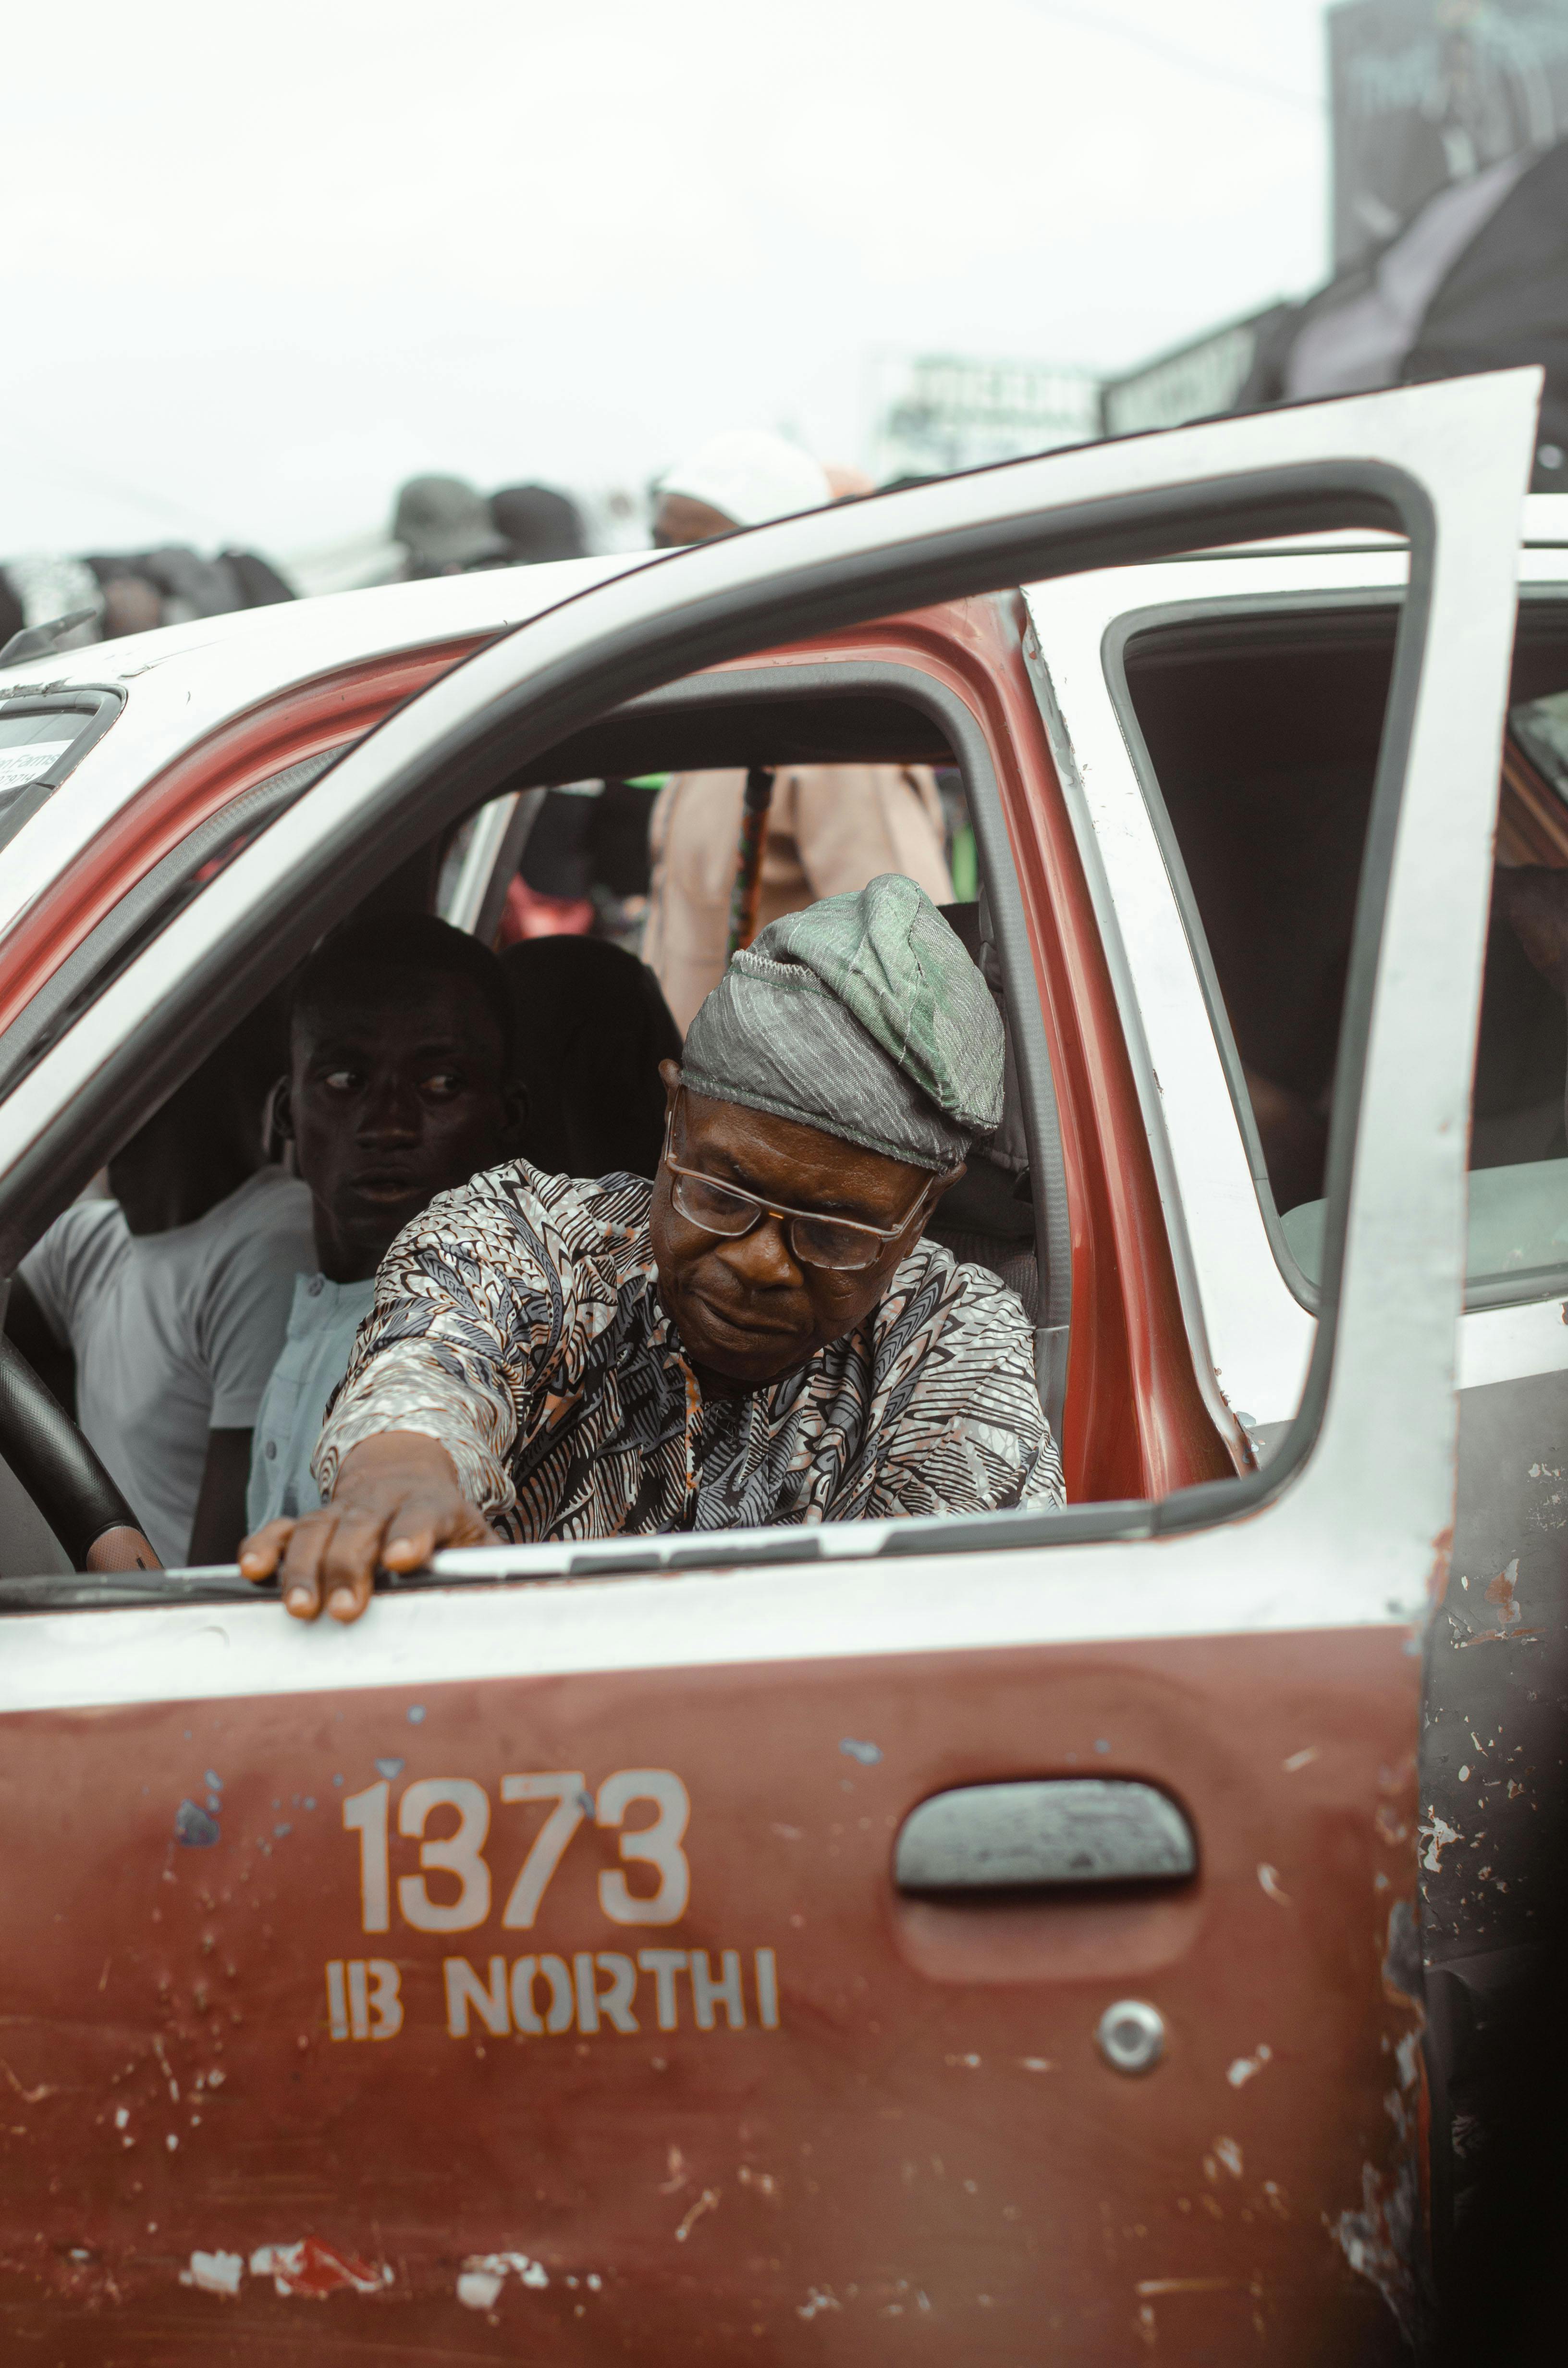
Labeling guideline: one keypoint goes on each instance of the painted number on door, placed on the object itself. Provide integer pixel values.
(455, 1852)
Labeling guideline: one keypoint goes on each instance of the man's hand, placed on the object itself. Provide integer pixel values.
(397, 1499)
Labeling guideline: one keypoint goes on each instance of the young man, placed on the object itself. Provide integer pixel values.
(400, 1085)
(163, 1307)
(761, 1335)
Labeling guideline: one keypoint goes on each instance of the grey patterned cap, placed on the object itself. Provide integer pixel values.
(863, 1016)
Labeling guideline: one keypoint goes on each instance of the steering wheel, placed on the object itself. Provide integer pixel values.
(63, 1476)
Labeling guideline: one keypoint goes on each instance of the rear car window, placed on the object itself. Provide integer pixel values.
(1540, 728)
(1262, 731)
(42, 736)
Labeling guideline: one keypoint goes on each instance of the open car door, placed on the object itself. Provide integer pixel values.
(978, 1941)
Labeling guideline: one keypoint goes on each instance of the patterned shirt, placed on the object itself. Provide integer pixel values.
(518, 1322)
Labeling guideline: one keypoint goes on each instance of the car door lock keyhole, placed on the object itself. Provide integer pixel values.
(1132, 2035)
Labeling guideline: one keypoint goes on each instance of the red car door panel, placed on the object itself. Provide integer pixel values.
(799, 2100)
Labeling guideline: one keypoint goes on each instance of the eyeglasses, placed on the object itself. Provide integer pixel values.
(843, 1243)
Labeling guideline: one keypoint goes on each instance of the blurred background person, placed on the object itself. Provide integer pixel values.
(537, 524)
(444, 527)
(829, 828)
(115, 593)
(742, 477)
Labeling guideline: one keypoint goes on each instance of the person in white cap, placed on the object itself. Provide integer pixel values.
(831, 829)
(742, 478)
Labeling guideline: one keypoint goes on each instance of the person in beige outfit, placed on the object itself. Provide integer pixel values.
(830, 828)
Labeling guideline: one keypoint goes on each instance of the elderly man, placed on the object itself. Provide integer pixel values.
(761, 1335)
(830, 828)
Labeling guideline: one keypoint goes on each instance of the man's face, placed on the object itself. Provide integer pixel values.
(680, 520)
(746, 1307)
(393, 1096)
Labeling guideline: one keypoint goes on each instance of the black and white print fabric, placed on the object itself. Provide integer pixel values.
(518, 1323)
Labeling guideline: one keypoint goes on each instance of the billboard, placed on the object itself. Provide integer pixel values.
(1426, 93)
(942, 412)
(1198, 381)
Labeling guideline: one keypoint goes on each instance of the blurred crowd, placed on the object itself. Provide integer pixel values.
(439, 525)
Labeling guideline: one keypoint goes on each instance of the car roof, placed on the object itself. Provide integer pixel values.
(182, 682)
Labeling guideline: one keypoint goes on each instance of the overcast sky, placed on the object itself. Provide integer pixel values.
(260, 264)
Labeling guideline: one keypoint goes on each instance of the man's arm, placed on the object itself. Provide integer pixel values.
(219, 1523)
(471, 1304)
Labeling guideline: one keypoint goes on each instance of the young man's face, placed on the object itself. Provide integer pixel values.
(395, 1095)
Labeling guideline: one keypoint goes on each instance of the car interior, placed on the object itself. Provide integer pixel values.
(1259, 740)
(598, 1104)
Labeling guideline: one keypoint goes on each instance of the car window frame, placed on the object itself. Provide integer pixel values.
(147, 908)
(1504, 1331)
(1118, 637)
(1532, 1285)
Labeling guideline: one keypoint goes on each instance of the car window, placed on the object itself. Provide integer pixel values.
(1540, 728)
(1262, 732)
(42, 736)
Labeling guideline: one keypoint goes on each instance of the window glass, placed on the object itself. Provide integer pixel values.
(30, 745)
(1263, 733)
(40, 740)
(1540, 727)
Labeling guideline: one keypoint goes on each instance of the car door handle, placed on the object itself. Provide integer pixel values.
(1071, 1829)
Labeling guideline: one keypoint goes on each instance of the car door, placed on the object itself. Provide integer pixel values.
(982, 1942)
(1492, 1814)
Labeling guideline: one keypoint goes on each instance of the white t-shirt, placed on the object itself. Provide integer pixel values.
(323, 1322)
(173, 1334)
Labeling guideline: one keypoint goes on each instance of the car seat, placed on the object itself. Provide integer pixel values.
(591, 1027)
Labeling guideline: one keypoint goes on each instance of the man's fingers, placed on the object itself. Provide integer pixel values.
(349, 1565)
(418, 1528)
(299, 1579)
(412, 1534)
(327, 1561)
(260, 1555)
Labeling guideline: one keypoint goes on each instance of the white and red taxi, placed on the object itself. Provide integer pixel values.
(975, 1942)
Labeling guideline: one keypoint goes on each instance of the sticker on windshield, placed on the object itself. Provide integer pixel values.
(21, 766)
